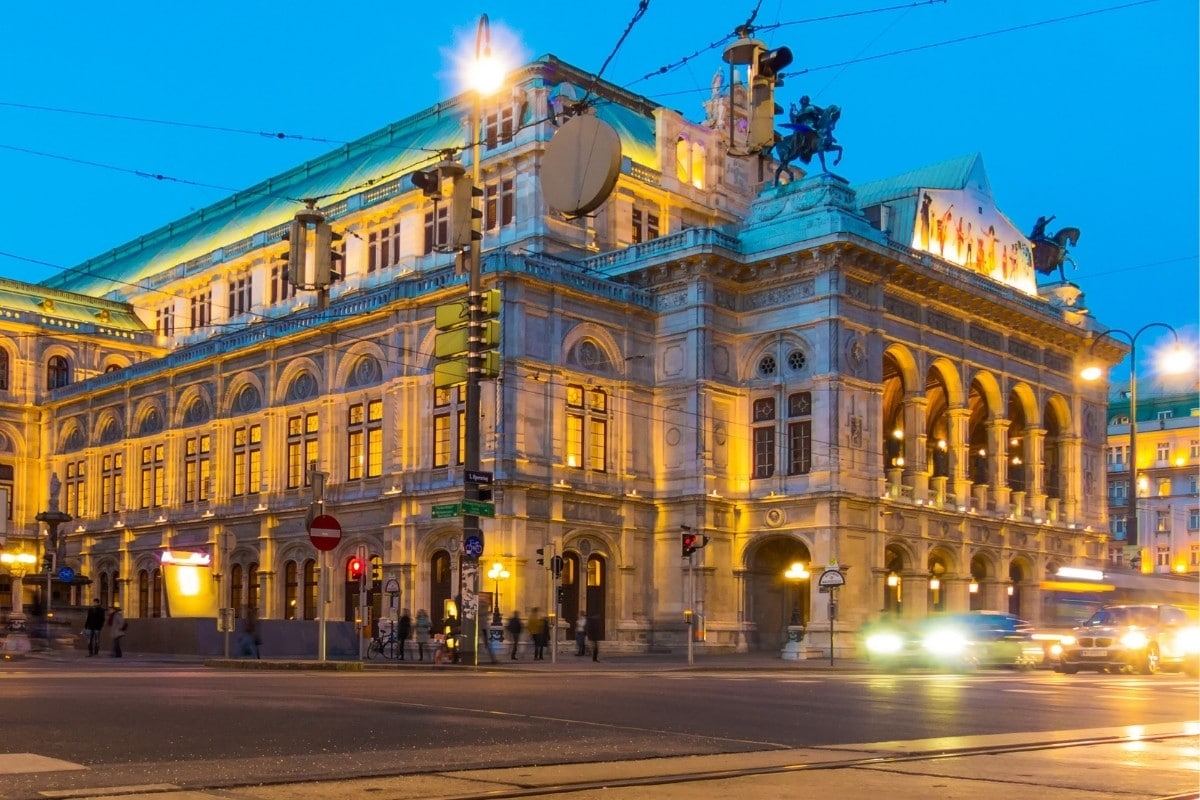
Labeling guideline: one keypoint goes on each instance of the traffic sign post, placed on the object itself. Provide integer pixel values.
(325, 532)
(479, 508)
(831, 578)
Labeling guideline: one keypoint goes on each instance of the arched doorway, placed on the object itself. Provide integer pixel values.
(597, 574)
(772, 599)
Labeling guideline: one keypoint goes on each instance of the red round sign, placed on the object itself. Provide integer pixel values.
(325, 532)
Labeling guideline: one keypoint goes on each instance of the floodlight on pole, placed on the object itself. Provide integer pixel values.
(1177, 360)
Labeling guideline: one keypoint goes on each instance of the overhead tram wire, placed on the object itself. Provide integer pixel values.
(663, 70)
(637, 15)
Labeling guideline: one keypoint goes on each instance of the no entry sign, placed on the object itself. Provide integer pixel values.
(325, 532)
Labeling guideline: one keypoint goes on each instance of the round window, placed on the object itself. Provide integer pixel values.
(767, 366)
(796, 361)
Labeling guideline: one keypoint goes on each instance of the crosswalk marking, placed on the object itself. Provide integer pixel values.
(16, 763)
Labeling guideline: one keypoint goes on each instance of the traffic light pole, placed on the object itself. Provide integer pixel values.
(469, 566)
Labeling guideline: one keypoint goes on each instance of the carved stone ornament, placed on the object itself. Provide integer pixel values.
(856, 355)
(248, 399)
(774, 518)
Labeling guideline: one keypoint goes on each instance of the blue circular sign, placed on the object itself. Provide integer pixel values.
(473, 546)
(66, 574)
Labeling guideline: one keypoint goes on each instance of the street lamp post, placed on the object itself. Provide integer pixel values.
(497, 573)
(795, 574)
(484, 81)
(1177, 361)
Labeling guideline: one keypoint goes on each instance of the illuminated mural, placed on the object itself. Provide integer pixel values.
(964, 227)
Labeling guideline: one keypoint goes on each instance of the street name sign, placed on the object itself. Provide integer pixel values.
(479, 508)
(446, 511)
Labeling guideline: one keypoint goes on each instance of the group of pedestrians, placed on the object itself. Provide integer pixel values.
(587, 629)
(95, 623)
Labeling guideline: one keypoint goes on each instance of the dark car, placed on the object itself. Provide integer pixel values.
(1141, 638)
(959, 641)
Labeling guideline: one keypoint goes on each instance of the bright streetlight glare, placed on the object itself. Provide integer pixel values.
(1176, 360)
(1091, 373)
(485, 75)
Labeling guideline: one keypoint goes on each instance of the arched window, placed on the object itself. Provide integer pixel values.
(3, 369)
(290, 590)
(156, 588)
(236, 591)
(252, 586)
(310, 589)
(143, 593)
(58, 372)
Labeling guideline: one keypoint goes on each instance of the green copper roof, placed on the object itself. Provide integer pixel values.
(380, 157)
(955, 173)
(65, 311)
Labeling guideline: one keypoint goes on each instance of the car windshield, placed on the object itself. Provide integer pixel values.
(1124, 616)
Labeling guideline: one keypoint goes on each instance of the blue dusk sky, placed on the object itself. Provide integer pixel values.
(1084, 109)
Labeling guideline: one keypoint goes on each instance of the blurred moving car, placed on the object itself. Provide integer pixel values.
(1141, 638)
(960, 641)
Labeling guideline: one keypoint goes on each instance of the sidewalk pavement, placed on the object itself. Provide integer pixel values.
(566, 661)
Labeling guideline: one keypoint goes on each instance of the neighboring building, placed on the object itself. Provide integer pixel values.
(804, 373)
(1168, 477)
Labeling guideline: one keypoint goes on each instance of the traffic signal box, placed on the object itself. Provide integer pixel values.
(453, 345)
(690, 542)
(310, 253)
(356, 568)
(763, 108)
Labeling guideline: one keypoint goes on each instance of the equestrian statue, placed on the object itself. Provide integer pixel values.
(811, 134)
(1049, 252)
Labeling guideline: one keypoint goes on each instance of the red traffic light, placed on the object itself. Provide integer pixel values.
(688, 540)
(357, 567)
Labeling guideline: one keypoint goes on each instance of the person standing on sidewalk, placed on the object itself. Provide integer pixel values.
(403, 631)
(537, 632)
(593, 634)
(117, 621)
(581, 634)
(93, 624)
(514, 629)
(422, 628)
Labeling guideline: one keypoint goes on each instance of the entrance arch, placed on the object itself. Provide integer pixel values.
(771, 599)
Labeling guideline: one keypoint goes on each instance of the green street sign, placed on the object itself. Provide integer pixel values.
(479, 508)
(446, 511)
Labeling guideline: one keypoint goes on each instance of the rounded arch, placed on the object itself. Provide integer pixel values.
(110, 428)
(1022, 394)
(774, 600)
(113, 362)
(292, 385)
(193, 407)
(603, 361)
(898, 560)
(360, 366)
(903, 365)
(1057, 411)
(148, 417)
(72, 435)
(950, 379)
(988, 388)
(11, 439)
(243, 395)
(790, 356)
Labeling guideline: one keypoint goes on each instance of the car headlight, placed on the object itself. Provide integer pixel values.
(1056, 649)
(1066, 641)
(884, 643)
(945, 642)
(1134, 640)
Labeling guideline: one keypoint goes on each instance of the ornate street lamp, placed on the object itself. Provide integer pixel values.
(1177, 360)
(796, 574)
(497, 573)
(19, 565)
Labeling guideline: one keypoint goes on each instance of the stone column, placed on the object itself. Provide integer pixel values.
(1071, 478)
(914, 595)
(1035, 467)
(959, 420)
(916, 474)
(998, 462)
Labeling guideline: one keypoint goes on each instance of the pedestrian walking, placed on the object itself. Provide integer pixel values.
(537, 633)
(514, 628)
(403, 631)
(594, 633)
(116, 620)
(249, 641)
(422, 628)
(92, 625)
(581, 634)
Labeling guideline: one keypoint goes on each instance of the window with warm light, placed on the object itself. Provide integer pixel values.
(310, 589)
(75, 487)
(302, 448)
(1162, 520)
(595, 572)
(112, 482)
(247, 459)
(291, 590)
(1164, 487)
(364, 444)
(153, 475)
(586, 428)
(449, 427)
(689, 162)
(197, 468)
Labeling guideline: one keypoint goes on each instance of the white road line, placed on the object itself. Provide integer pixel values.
(17, 763)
